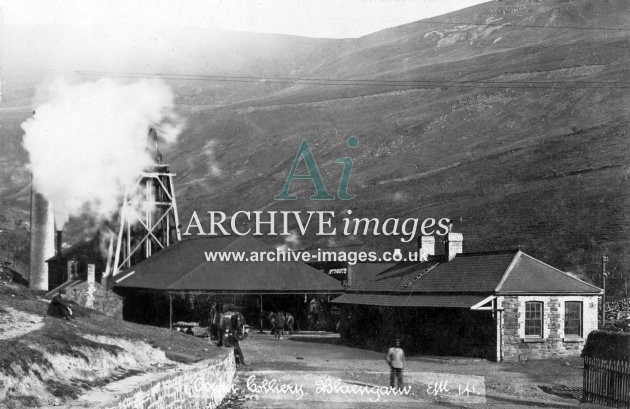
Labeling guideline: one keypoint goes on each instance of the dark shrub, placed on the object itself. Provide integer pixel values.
(608, 345)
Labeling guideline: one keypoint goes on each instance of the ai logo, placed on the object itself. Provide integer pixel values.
(304, 153)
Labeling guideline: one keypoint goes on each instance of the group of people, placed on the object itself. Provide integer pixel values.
(279, 322)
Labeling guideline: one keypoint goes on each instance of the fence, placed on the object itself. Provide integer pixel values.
(606, 382)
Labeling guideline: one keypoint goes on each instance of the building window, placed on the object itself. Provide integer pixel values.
(573, 318)
(534, 319)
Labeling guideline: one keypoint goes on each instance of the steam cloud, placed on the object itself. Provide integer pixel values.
(89, 140)
(291, 241)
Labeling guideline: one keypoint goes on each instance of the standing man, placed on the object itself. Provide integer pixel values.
(279, 325)
(396, 360)
(236, 331)
(272, 322)
(214, 320)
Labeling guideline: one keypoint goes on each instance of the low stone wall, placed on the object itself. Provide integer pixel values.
(203, 386)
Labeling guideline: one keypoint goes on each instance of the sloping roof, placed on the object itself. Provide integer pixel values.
(411, 300)
(71, 285)
(472, 272)
(505, 272)
(362, 272)
(89, 245)
(183, 266)
(530, 275)
(64, 286)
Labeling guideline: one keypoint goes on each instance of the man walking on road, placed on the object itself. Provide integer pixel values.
(396, 360)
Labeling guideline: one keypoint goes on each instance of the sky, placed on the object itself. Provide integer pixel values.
(313, 18)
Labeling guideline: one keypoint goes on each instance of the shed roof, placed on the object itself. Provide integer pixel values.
(183, 267)
(410, 300)
(505, 272)
(530, 275)
(473, 272)
(363, 272)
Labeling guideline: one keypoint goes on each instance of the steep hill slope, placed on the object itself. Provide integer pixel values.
(509, 117)
(516, 129)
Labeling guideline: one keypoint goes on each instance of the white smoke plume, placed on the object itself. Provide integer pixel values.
(292, 241)
(88, 141)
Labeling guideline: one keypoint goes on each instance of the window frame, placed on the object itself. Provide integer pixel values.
(541, 321)
(580, 320)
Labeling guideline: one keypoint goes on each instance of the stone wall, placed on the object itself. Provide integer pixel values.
(94, 295)
(203, 386)
(516, 346)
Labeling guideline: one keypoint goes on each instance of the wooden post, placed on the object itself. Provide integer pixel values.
(261, 318)
(604, 261)
(170, 311)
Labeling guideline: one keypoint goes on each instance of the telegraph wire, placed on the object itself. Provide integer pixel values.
(352, 82)
(463, 23)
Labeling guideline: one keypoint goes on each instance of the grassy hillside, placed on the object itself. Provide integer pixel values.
(509, 117)
(518, 134)
(44, 360)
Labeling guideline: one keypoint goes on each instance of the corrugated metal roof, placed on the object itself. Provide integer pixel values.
(529, 275)
(410, 300)
(183, 266)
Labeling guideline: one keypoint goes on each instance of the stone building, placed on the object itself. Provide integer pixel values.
(179, 283)
(72, 263)
(504, 306)
(92, 294)
(78, 270)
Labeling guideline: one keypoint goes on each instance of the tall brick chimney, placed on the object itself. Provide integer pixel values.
(42, 241)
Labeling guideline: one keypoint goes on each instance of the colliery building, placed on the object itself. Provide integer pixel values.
(503, 306)
(496, 305)
(178, 283)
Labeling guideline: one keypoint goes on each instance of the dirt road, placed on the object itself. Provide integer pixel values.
(311, 370)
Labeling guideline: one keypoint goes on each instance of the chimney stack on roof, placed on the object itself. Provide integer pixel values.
(443, 248)
(454, 245)
(426, 247)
